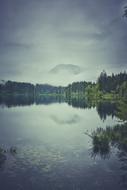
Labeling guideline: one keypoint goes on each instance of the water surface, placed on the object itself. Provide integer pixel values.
(52, 150)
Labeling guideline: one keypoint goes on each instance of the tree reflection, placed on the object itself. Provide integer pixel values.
(114, 109)
(24, 100)
(16, 100)
(80, 102)
(104, 108)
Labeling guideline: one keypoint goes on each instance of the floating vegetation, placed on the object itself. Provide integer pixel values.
(104, 139)
(13, 150)
(3, 154)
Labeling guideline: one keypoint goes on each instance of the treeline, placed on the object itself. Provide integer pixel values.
(11, 87)
(48, 89)
(76, 88)
(111, 83)
(107, 87)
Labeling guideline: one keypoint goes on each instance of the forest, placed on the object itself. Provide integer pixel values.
(106, 87)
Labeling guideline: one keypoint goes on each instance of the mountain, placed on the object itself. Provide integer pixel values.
(70, 68)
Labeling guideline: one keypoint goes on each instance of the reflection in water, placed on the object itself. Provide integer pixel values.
(80, 103)
(23, 100)
(104, 108)
(70, 120)
(105, 140)
(16, 100)
(52, 150)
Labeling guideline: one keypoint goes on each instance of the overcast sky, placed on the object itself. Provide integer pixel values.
(37, 35)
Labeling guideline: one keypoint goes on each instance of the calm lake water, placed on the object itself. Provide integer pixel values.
(52, 150)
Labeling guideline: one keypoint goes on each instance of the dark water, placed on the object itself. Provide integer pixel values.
(50, 150)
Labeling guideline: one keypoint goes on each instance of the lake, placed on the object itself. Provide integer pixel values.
(52, 149)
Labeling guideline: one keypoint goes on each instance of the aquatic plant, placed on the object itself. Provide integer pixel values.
(104, 139)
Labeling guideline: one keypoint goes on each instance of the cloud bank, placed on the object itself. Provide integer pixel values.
(35, 36)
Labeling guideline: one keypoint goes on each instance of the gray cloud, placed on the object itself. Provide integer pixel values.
(66, 69)
(35, 36)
